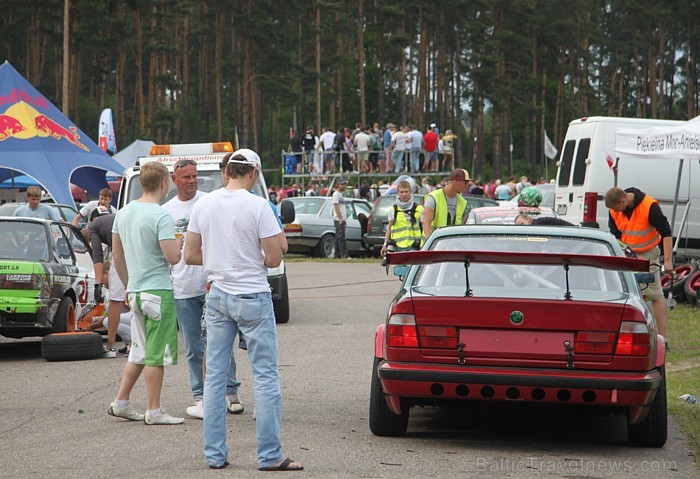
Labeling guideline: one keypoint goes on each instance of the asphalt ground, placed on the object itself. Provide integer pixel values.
(54, 422)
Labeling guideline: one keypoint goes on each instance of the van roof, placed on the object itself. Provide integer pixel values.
(614, 119)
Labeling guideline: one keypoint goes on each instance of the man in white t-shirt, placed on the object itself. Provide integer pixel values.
(361, 142)
(340, 219)
(325, 145)
(400, 148)
(189, 287)
(236, 237)
(89, 208)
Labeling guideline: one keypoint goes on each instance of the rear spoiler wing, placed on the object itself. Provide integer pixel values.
(613, 263)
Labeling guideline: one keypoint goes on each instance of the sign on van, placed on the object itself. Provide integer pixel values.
(673, 142)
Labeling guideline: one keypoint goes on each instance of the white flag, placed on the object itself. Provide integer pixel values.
(550, 151)
(107, 140)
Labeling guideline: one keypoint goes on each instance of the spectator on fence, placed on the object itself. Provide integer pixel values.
(430, 143)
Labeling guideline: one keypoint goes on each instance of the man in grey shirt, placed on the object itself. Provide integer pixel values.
(100, 233)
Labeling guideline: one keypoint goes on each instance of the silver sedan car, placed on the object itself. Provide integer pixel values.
(313, 232)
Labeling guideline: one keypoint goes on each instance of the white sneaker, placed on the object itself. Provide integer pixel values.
(109, 353)
(127, 412)
(197, 409)
(233, 405)
(161, 418)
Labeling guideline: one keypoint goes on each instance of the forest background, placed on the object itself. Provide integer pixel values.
(498, 73)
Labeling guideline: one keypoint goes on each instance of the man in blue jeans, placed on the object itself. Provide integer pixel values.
(189, 284)
(236, 237)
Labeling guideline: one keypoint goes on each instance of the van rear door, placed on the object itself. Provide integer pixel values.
(571, 175)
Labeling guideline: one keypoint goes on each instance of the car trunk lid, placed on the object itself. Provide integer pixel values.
(513, 328)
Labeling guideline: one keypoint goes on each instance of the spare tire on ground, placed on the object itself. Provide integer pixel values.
(676, 285)
(692, 288)
(73, 346)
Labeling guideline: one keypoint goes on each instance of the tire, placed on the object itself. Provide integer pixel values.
(683, 272)
(326, 247)
(692, 287)
(653, 430)
(65, 316)
(281, 306)
(73, 346)
(383, 422)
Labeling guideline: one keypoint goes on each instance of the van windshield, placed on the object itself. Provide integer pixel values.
(208, 180)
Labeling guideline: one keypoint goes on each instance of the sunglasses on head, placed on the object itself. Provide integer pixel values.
(183, 163)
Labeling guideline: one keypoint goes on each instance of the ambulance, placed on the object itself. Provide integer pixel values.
(586, 170)
(208, 156)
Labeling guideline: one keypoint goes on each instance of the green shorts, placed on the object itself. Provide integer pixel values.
(153, 328)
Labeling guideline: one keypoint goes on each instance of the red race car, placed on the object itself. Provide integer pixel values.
(520, 313)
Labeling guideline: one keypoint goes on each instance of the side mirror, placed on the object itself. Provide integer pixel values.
(287, 213)
(401, 270)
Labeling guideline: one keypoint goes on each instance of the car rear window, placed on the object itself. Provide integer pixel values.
(520, 281)
(307, 206)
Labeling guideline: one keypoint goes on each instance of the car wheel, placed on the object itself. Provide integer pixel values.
(73, 346)
(281, 306)
(677, 286)
(653, 430)
(383, 422)
(326, 247)
(65, 316)
(691, 288)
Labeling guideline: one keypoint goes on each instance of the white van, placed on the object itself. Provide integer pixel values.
(208, 157)
(585, 172)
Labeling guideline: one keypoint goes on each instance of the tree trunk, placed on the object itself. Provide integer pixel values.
(422, 83)
(138, 97)
(218, 62)
(317, 119)
(361, 59)
(66, 56)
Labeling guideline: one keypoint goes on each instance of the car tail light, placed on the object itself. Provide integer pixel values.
(371, 214)
(633, 339)
(293, 228)
(594, 342)
(438, 337)
(590, 206)
(22, 281)
(401, 331)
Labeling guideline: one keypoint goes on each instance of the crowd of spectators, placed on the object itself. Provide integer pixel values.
(495, 188)
(371, 149)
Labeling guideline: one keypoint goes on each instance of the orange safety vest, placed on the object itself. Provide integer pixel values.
(636, 231)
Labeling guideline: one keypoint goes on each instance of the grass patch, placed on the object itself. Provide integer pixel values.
(683, 370)
(300, 258)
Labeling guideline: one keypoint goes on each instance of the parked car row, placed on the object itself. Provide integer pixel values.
(313, 232)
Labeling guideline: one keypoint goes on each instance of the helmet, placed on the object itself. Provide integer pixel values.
(530, 196)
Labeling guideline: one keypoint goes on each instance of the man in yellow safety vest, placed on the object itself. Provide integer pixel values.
(446, 206)
(404, 230)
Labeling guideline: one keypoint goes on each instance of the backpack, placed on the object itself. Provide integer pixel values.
(375, 145)
(413, 215)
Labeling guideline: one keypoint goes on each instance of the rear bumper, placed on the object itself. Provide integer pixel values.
(372, 241)
(534, 385)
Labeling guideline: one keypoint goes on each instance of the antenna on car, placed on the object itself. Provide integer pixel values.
(567, 295)
(467, 263)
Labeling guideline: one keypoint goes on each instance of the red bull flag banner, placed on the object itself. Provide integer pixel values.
(38, 140)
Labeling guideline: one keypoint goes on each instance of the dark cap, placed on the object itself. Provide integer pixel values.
(459, 175)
